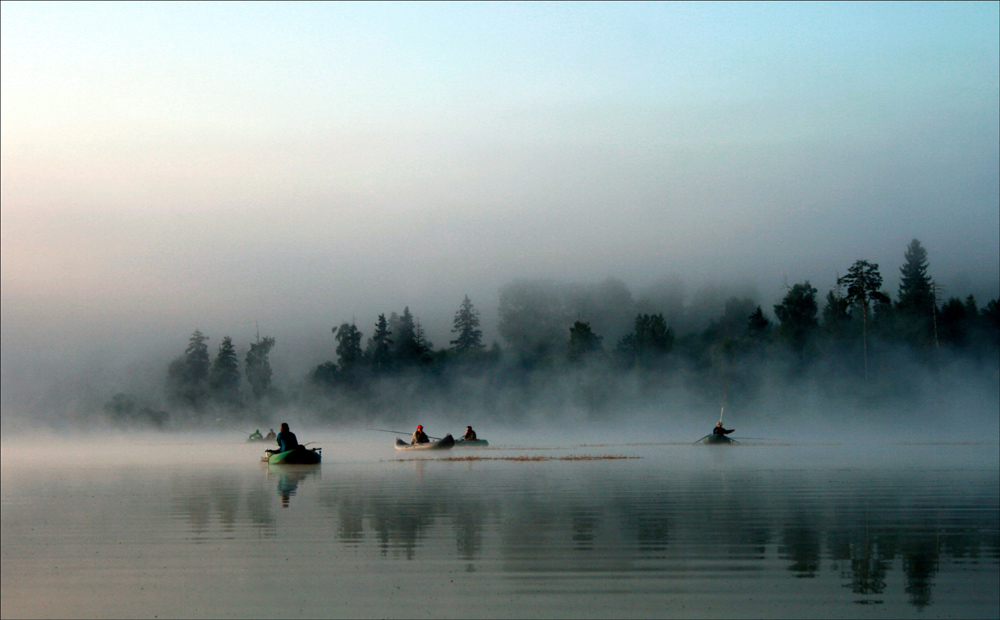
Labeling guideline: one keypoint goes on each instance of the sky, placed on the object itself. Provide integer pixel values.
(285, 167)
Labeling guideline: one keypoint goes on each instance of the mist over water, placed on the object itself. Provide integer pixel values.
(531, 380)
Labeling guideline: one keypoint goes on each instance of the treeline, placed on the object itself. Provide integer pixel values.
(592, 347)
(195, 383)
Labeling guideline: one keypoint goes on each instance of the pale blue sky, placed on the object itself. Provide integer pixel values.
(171, 166)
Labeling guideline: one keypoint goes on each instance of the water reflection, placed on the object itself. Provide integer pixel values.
(289, 477)
(220, 499)
(535, 523)
(205, 499)
(780, 521)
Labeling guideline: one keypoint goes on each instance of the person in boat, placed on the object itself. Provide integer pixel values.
(270, 435)
(722, 432)
(286, 439)
(254, 436)
(470, 435)
(419, 436)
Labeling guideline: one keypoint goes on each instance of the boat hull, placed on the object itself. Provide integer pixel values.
(445, 443)
(717, 440)
(299, 456)
(471, 443)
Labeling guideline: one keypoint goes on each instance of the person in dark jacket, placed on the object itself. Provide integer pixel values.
(286, 439)
(270, 435)
(419, 436)
(718, 430)
(470, 435)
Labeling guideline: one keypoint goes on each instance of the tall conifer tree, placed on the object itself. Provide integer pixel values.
(466, 327)
(224, 377)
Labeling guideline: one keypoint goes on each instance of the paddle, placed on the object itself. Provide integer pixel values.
(382, 430)
(726, 391)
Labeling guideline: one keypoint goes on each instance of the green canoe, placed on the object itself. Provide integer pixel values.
(298, 456)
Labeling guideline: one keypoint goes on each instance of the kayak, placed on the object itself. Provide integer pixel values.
(471, 443)
(717, 440)
(445, 443)
(298, 456)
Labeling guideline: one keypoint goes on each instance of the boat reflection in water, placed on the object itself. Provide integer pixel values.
(289, 477)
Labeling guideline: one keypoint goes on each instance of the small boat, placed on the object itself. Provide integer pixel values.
(298, 456)
(471, 443)
(717, 440)
(445, 443)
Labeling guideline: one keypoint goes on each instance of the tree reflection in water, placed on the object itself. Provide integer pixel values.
(606, 522)
(545, 526)
(801, 544)
(202, 496)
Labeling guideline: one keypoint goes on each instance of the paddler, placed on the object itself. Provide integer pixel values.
(718, 430)
(470, 435)
(254, 436)
(286, 439)
(419, 436)
(270, 435)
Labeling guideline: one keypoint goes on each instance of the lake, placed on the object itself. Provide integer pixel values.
(196, 526)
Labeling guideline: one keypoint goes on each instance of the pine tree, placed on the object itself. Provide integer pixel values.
(914, 284)
(466, 327)
(224, 377)
(196, 361)
(797, 316)
(648, 343)
(258, 367)
(406, 350)
(863, 282)
(349, 352)
(916, 303)
(424, 347)
(187, 376)
(380, 346)
(758, 325)
(582, 342)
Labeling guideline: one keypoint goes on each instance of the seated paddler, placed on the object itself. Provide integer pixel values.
(718, 430)
(470, 435)
(419, 436)
(256, 435)
(270, 435)
(286, 439)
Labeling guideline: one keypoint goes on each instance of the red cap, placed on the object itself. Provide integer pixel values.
(419, 427)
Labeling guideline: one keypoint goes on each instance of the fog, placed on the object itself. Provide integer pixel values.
(256, 170)
(715, 370)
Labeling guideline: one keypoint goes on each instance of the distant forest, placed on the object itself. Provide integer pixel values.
(595, 350)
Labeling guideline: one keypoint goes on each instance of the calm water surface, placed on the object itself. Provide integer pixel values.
(184, 527)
